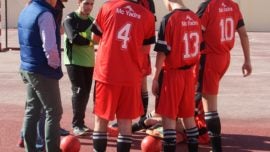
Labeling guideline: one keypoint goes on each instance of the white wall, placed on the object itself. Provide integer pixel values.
(256, 12)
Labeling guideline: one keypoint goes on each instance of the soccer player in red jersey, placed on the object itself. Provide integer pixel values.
(149, 5)
(220, 20)
(178, 50)
(125, 30)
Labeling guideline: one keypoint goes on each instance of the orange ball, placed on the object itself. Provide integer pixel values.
(151, 144)
(113, 131)
(70, 143)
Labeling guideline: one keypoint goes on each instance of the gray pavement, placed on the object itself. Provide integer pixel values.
(239, 98)
(243, 102)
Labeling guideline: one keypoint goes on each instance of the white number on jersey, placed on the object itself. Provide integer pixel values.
(227, 26)
(123, 35)
(196, 45)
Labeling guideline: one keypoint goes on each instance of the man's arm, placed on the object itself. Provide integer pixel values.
(47, 27)
(159, 62)
(146, 49)
(73, 35)
(246, 68)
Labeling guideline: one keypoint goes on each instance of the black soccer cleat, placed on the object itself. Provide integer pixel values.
(139, 125)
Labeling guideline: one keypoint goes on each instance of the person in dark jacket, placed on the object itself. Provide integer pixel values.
(40, 144)
(40, 69)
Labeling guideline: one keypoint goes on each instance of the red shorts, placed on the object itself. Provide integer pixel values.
(176, 97)
(124, 102)
(213, 70)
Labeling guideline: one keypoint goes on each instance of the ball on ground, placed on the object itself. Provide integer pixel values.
(70, 143)
(151, 144)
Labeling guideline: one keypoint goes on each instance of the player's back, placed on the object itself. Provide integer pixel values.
(220, 18)
(126, 26)
(183, 35)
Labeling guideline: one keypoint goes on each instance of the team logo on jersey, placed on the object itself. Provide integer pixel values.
(189, 18)
(225, 8)
(224, 5)
(129, 8)
(189, 21)
(128, 11)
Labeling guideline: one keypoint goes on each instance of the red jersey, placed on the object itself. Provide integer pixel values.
(124, 27)
(148, 4)
(220, 19)
(179, 38)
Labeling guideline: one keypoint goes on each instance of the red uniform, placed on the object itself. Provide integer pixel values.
(220, 19)
(179, 38)
(124, 27)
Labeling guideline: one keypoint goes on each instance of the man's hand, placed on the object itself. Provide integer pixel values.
(155, 88)
(246, 69)
(53, 59)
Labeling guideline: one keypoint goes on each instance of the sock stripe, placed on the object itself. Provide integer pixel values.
(149, 116)
(124, 139)
(192, 132)
(169, 132)
(192, 135)
(169, 135)
(211, 115)
(99, 135)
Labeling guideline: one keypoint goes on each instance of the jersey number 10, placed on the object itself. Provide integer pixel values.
(227, 31)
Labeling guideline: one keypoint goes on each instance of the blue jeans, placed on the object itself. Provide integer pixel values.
(42, 93)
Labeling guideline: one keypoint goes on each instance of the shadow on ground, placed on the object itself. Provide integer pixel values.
(231, 143)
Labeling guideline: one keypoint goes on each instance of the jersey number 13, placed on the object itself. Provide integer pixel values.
(192, 44)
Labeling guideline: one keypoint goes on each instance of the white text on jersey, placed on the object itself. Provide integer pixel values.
(129, 12)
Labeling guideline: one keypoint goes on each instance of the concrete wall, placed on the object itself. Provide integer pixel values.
(256, 12)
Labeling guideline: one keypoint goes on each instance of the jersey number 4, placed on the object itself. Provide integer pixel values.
(123, 35)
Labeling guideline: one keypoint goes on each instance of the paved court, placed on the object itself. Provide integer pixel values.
(243, 102)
